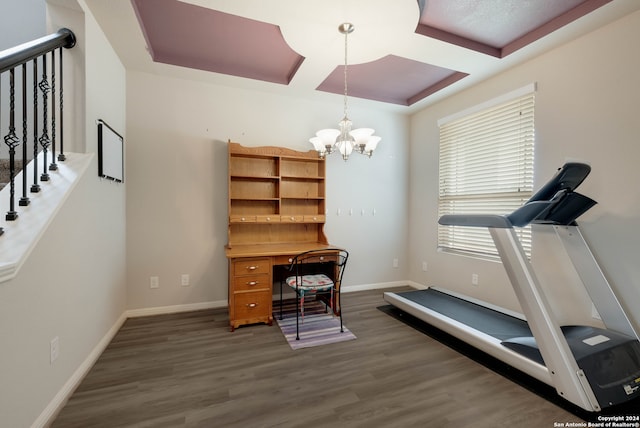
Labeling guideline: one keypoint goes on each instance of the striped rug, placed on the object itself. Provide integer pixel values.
(319, 328)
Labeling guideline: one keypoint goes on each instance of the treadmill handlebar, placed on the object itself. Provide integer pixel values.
(475, 220)
(555, 203)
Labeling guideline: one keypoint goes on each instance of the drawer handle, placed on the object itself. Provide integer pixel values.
(293, 218)
(252, 282)
(268, 218)
(251, 305)
(252, 267)
(242, 219)
(290, 260)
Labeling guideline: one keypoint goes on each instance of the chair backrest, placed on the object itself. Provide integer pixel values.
(330, 261)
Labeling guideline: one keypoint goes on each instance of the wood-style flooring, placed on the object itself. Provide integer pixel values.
(189, 370)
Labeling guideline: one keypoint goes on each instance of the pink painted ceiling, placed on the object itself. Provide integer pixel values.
(195, 34)
(196, 37)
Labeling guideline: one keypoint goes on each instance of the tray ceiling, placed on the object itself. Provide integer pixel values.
(402, 52)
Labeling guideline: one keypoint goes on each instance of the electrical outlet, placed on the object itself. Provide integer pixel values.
(184, 279)
(154, 282)
(474, 279)
(395, 263)
(54, 349)
(424, 266)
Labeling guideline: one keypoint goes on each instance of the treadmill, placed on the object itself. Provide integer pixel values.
(591, 367)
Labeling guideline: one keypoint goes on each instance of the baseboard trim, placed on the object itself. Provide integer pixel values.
(47, 416)
(161, 310)
(375, 286)
(417, 285)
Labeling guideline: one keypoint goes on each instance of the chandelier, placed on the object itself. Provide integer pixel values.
(345, 140)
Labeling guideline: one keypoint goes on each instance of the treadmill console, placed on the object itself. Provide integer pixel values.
(609, 360)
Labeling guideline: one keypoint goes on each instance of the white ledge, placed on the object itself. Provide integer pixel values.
(21, 235)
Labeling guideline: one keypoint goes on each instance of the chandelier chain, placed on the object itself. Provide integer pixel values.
(346, 33)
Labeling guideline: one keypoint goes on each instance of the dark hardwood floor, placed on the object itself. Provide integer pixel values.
(188, 370)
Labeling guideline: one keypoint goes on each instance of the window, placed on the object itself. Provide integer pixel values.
(486, 167)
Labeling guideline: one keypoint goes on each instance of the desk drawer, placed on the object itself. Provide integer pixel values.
(283, 260)
(251, 282)
(251, 266)
(274, 218)
(286, 260)
(291, 218)
(242, 219)
(252, 306)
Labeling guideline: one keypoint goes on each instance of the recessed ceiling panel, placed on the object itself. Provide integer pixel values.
(391, 79)
(182, 34)
(499, 27)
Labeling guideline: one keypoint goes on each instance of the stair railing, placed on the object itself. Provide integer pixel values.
(43, 51)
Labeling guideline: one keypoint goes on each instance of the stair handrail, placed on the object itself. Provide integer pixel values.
(18, 55)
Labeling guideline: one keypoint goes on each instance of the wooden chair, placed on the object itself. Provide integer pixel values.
(318, 273)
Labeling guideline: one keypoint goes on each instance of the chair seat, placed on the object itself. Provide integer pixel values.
(310, 282)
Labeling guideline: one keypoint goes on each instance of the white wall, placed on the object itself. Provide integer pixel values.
(586, 109)
(73, 284)
(177, 184)
(21, 21)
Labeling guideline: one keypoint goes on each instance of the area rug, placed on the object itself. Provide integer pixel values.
(319, 328)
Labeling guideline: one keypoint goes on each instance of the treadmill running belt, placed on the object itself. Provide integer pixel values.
(488, 321)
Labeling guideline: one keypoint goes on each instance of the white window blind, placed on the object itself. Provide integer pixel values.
(486, 167)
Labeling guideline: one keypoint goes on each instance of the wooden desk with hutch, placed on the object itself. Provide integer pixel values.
(276, 211)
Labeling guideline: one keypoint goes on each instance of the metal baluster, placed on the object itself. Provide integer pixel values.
(1, 229)
(11, 140)
(24, 200)
(53, 166)
(35, 187)
(61, 156)
(45, 142)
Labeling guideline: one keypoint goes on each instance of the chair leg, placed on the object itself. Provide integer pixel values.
(297, 312)
(340, 312)
(281, 299)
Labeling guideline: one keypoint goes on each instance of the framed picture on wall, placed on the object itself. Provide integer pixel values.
(110, 153)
